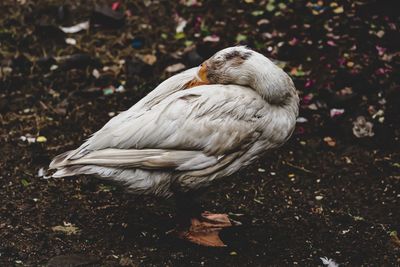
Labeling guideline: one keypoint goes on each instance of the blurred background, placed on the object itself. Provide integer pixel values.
(332, 191)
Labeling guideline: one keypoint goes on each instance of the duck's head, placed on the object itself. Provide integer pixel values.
(243, 66)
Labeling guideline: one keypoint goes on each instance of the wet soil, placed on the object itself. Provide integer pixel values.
(325, 193)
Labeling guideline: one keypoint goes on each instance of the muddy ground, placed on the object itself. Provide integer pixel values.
(326, 193)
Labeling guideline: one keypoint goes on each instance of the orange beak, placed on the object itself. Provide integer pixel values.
(203, 73)
(201, 78)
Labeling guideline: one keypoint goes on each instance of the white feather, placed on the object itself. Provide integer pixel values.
(329, 262)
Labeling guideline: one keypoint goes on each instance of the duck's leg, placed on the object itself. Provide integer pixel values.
(199, 226)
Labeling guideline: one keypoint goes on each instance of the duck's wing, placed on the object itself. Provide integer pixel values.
(188, 130)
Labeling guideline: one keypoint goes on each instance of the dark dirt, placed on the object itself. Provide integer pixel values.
(326, 193)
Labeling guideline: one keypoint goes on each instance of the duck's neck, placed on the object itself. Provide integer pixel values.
(276, 87)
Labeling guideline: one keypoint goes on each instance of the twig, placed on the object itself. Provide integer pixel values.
(297, 167)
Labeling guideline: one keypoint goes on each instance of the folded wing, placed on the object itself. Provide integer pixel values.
(189, 130)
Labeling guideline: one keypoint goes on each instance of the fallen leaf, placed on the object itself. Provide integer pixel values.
(336, 112)
(298, 72)
(345, 91)
(41, 139)
(270, 6)
(67, 228)
(331, 43)
(76, 28)
(241, 37)
(108, 90)
(294, 41)
(28, 138)
(96, 73)
(70, 41)
(190, 2)
(301, 120)
(257, 13)
(338, 10)
(395, 238)
(115, 5)
(149, 59)
(397, 165)
(181, 25)
(330, 141)
(282, 6)
(25, 182)
(180, 35)
(313, 106)
(211, 38)
(120, 89)
(363, 128)
(380, 33)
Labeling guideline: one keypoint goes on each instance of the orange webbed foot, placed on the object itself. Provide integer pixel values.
(205, 230)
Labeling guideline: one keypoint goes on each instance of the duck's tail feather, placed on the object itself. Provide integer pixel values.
(59, 161)
(68, 171)
(62, 164)
(150, 159)
(137, 181)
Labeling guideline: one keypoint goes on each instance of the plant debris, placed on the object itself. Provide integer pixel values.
(66, 228)
(362, 127)
(76, 28)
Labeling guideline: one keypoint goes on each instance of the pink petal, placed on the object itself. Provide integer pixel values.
(115, 5)
(331, 43)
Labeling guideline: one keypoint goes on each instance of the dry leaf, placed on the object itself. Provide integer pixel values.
(338, 10)
(362, 127)
(41, 139)
(395, 239)
(330, 141)
(149, 59)
(76, 28)
(67, 228)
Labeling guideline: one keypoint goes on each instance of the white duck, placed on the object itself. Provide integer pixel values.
(196, 127)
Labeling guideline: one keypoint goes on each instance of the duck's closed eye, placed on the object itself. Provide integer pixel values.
(218, 61)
